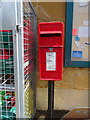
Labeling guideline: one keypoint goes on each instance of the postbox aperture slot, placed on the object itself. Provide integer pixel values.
(50, 35)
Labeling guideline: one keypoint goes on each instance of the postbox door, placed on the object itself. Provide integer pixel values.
(51, 63)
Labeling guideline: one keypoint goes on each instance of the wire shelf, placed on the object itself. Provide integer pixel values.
(7, 88)
(29, 65)
(12, 70)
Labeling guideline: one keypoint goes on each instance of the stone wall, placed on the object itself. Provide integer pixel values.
(75, 78)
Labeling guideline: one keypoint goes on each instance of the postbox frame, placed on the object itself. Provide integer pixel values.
(51, 48)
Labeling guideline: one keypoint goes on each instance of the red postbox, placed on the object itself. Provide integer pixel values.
(50, 47)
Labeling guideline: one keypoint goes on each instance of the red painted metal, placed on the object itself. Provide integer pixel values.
(51, 41)
(51, 34)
